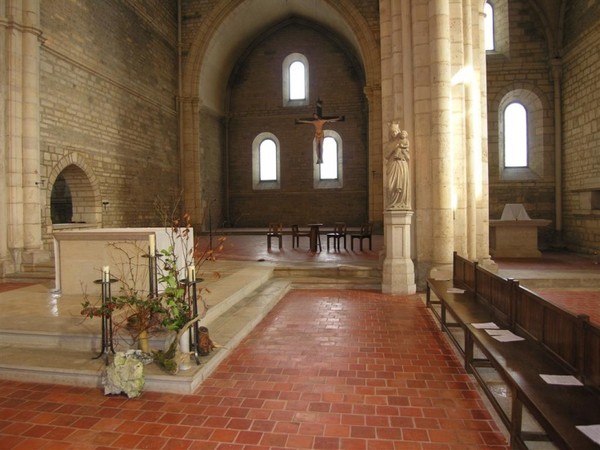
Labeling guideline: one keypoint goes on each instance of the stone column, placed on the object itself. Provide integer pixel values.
(483, 215)
(190, 168)
(22, 33)
(398, 268)
(441, 142)
(32, 220)
(14, 123)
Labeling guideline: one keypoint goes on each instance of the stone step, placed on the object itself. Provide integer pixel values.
(77, 368)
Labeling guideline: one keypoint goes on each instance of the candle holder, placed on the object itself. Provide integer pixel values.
(152, 274)
(194, 334)
(107, 330)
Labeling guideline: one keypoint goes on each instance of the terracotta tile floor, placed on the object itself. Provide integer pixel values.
(324, 370)
(353, 370)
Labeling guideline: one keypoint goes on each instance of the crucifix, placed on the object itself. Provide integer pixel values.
(318, 121)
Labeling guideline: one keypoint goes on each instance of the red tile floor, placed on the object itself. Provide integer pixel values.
(326, 369)
(352, 370)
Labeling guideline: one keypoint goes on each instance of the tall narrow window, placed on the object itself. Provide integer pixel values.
(294, 71)
(329, 168)
(265, 161)
(267, 156)
(297, 84)
(330, 173)
(515, 135)
(489, 27)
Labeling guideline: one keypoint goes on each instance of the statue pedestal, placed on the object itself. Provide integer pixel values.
(398, 268)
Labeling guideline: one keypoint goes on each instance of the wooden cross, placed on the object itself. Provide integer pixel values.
(318, 121)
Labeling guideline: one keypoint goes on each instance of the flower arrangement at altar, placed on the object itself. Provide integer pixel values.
(157, 294)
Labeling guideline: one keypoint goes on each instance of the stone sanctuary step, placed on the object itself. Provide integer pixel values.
(58, 347)
(26, 362)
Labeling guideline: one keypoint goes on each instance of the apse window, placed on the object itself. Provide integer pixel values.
(265, 161)
(329, 167)
(329, 174)
(268, 160)
(295, 80)
(515, 135)
(489, 27)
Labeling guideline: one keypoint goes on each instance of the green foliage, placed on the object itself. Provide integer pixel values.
(176, 307)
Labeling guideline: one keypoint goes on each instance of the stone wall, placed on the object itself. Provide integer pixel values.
(520, 70)
(581, 126)
(256, 107)
(108, 81)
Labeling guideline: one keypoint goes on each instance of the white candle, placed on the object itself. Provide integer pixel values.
(191, 273)
(105, 273)
(152, 239)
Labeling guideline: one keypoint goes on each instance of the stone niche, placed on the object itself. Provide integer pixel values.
(81, 254)
(515, 235)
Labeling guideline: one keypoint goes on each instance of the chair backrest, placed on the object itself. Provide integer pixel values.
(275, 228)
(339, 228)
(366, 229)
(295, 229)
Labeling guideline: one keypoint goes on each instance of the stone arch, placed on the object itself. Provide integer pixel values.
(540, 132)
(73, 174)
(220, 41)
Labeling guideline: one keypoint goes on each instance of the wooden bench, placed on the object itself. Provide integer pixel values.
(555, 342)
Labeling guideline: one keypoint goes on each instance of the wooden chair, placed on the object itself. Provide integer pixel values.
(339, 233)
(275, 231)
(297, 234)
(366, 230)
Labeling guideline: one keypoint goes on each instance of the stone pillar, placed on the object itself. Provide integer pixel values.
(472, 119)
(441, 142)
(483, 215)
(398, 268)
(32, 220)
(21, 203)
(189, 153)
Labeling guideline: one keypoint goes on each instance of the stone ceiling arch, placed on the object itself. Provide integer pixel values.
(233, 24)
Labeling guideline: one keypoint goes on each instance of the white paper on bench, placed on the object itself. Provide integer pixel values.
(486, 326)
(504, 335)
(564, 380)
(455, 291)
(591, 431)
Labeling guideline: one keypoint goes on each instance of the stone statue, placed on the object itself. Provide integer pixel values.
(397, 170)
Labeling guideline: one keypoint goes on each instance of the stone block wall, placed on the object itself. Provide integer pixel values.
(581, 126)
(108, 82)
(520, 70)
(256, 106)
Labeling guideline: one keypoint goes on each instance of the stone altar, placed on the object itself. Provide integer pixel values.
(80, 255)
(515, 234)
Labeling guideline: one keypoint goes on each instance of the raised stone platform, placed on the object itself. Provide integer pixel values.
(43, 337)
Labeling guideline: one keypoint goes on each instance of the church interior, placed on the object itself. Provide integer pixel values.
(124, 114)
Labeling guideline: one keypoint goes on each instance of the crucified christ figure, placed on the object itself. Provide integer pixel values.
(318, 121)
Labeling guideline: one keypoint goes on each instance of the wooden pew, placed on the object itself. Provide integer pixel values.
(555, 342)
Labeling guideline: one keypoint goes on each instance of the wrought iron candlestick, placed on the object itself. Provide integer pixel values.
(193, 299)
(152, 266)
(107, 330)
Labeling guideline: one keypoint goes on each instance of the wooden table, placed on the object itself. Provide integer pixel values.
(314, 236)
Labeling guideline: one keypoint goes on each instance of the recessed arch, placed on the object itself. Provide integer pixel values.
(219, 43)
(73, 194)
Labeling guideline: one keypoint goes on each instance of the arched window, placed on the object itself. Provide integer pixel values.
(515, 135)
(295, 80)
(297, 83)
(488, 10)
(265, 161)
(328, 170)
(329, 174)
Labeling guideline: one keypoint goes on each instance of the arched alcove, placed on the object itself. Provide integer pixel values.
(72, 198)
(73, 195)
